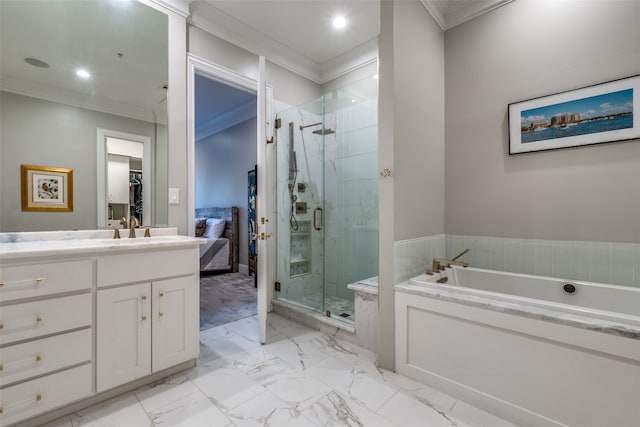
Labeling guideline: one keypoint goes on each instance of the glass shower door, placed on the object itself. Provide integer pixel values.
(327, 199)
(300, 204)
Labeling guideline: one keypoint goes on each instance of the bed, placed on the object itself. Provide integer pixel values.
(220, 252)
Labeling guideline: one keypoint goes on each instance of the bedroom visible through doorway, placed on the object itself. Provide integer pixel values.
(225, 127)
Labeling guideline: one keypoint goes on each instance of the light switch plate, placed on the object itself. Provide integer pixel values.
(174, 196)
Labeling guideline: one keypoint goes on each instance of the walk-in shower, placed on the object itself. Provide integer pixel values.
(327, 199)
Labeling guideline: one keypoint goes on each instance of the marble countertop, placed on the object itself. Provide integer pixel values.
(584, 322)
(369, 286)
(37, 244)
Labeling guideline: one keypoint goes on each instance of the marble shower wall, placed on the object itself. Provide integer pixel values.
(356, 205)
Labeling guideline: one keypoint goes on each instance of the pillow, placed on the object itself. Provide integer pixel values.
(215, 228)
(201, 225)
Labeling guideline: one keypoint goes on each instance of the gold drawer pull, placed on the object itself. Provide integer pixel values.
(21, 363)
(38, 280)
(36, 399)
(23, 323)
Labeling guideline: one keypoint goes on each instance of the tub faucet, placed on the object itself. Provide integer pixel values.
(440, 264)
(132, 228)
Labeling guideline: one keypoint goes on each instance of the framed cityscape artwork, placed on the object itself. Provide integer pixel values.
(605, 112)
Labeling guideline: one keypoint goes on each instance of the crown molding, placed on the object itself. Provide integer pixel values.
(358, 57)
(459, 15)
(472, 10)
(225, 26)
(229, 118)
(67, 97)
(181, 7)
(434, 12)
(222, 25)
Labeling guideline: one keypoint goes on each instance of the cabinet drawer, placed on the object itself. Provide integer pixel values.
(146, 266)
(34, 397)
(26, 360)
(34, 319)
(32, 280)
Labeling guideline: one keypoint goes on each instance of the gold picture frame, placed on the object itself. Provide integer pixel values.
(46, 189)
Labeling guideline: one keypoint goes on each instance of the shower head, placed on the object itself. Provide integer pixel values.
(324, 131)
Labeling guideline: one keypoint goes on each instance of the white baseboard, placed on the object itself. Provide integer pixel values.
(243, 268)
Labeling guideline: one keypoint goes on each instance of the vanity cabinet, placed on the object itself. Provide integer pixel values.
(78, 317)
(149, 326)
(46, 348)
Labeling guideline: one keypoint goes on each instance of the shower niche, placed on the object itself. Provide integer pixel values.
(300, 250)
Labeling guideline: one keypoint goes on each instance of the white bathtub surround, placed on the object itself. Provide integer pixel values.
(532, 361)
(366, 312)
(414, 256)
(603, 262)
(300, 377)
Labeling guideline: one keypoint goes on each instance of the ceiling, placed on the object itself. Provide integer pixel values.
(298, 35)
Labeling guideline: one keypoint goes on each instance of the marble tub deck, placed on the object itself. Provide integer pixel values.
(301, 377)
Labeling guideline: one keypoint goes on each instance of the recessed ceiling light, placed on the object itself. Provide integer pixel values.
(36, 62)
(339, 22)
(82, 73)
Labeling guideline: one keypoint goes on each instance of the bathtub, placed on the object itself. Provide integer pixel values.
(534, 350)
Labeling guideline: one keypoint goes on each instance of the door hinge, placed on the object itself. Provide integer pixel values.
(278, 123)
(270, 140)
(276, 286)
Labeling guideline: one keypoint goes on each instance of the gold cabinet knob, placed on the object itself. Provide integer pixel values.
(144, 317)
(38, 319)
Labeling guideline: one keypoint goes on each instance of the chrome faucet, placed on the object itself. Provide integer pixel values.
(132, 228)
(440, 264)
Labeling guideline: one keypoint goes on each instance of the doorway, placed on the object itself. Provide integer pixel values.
(225, 156)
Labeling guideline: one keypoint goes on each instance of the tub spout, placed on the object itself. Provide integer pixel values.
(439, 264)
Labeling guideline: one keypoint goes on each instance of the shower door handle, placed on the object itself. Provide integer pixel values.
(317, 224)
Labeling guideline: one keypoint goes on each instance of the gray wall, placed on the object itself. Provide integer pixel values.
(411, 143)
(288, 87)
(44, 133)
(222, 162)
(523, 50)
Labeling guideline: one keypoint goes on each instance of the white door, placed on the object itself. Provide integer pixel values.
(175, 323)
(123, 335)
(263, 202)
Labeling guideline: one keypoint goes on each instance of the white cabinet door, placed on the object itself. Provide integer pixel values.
(175, 321)
(118, 182)
(123, 335)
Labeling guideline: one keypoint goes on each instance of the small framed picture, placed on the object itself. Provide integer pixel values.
(605, 112)
(46, 188)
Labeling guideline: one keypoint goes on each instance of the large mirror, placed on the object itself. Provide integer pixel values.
(72, 75)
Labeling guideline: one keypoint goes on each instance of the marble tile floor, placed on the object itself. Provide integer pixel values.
(301, 377)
